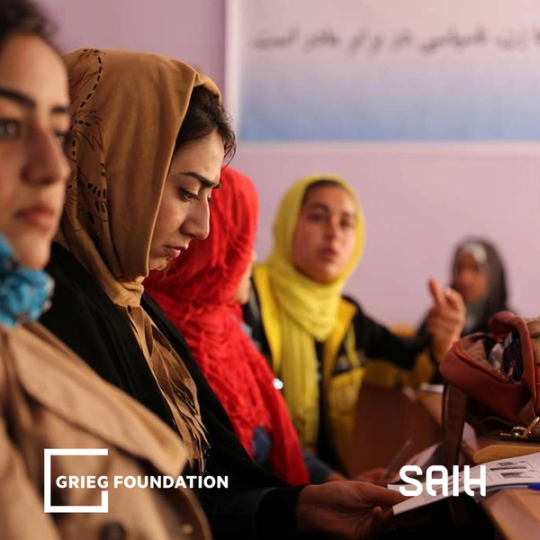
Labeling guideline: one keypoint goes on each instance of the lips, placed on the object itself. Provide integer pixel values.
(39, 215)
(175, 251)
(329, 254)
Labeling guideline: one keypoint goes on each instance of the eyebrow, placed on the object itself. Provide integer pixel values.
(202, 179)
(28, 102)
(326, 208)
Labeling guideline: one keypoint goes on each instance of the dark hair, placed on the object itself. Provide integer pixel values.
(205, 113)
(323, 182)
(23, 17)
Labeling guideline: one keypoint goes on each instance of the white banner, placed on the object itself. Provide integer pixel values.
(385, 70)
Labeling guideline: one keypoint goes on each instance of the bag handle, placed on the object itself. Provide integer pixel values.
(454, 410)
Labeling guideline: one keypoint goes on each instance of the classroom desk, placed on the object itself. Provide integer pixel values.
(386, 418)
(515, 513)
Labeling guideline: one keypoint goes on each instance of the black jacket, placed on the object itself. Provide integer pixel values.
(257, 503)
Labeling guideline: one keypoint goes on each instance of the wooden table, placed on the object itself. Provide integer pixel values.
(514, 512)
(386, 418)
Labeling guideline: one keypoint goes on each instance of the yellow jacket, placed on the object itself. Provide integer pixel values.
(344, 361)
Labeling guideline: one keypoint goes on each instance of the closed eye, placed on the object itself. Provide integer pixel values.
(187, 196)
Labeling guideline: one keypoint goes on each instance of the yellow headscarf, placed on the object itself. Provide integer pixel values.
(127, 110)
(307, 310)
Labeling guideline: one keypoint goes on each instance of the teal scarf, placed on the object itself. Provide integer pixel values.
(24, 294)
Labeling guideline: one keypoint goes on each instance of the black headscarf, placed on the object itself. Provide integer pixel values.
(488, 258)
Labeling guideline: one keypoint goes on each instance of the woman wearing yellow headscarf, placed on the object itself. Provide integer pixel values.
(317, 339)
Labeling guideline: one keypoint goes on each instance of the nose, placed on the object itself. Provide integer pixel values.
(198, 223)
(46, 163)
(463, 281)
(466, 276)
(332, 227)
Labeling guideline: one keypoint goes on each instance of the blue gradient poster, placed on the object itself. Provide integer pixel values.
(386, 70)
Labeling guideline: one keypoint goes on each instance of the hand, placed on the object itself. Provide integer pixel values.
(446, 318)
(373, 476)
(345, 510)
(335, 477)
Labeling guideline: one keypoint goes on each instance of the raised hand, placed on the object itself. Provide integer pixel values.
(446, 318)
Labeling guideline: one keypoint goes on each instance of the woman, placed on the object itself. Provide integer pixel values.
(200, 293)
(478, 275)
(149, 141)
(50, 398)
(316, 339)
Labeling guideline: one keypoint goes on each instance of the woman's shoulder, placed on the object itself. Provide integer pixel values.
(52, 401)
(63, 386)
(351, 300)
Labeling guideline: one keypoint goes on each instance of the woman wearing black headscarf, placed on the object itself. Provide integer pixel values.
(478, 274)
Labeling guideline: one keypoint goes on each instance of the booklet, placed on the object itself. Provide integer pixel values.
(518, 472)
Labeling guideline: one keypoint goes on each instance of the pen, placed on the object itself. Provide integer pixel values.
(535, 487)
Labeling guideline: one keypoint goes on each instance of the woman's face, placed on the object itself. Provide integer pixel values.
(34, 119)
(324, 238)
(184, 213)
(470, 279)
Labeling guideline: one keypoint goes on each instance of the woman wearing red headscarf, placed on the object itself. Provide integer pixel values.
(201, 293)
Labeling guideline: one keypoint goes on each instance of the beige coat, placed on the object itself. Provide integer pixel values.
(50, 399)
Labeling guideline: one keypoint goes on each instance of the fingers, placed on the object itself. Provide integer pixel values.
(374, 476)
(455, 300)
(383, 482)
(379, 472)
(449, 298)
(335, 477)
(447, 317)
(445, 314)
(436, 292)
(379, 519)
(379, 496)
(440, 325)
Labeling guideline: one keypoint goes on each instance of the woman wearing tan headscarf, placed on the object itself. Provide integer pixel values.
(149, 139)
(49, 398)
(113, 198)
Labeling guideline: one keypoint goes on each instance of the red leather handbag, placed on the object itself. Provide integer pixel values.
(493, 381)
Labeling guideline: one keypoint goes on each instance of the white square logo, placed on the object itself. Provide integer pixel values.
(49, 452)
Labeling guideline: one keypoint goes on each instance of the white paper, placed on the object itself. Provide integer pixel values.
(510, 473)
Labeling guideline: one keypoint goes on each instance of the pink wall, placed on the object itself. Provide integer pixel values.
(191, 30)
(418, 205)
(418, 202)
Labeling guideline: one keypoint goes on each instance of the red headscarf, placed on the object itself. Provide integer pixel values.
(197, 292)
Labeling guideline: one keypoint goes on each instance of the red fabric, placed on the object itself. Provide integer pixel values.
(196, 293)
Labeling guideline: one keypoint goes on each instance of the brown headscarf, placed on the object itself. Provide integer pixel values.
(127, 110)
